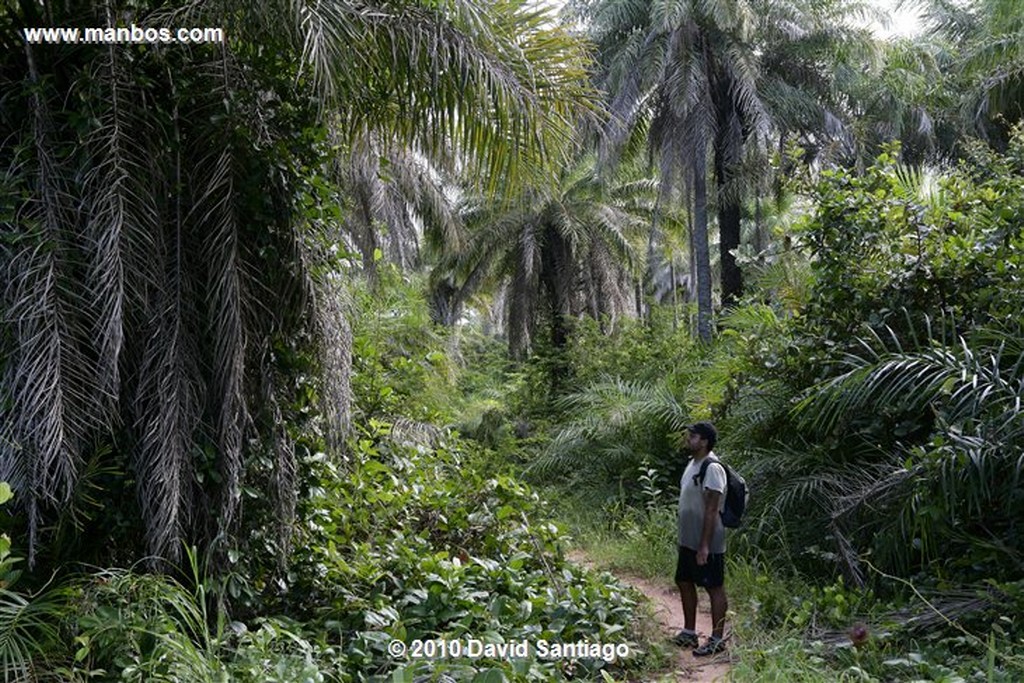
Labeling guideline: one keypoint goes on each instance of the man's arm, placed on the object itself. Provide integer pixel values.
(711, 498)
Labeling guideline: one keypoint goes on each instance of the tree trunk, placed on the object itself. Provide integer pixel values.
(675, 294)
(691, 260)
(701, 253)
(557, 278)
(728, 149)
(519, 322)
(653, 240)
(728, 143)
(729, 241)
(758, 225)
(444, 303)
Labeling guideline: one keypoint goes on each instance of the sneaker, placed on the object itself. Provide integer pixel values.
(686, 639)
(710, 647)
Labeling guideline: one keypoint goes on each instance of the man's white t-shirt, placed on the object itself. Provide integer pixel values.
(691, 505)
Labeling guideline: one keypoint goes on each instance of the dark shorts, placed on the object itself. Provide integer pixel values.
(711, 575)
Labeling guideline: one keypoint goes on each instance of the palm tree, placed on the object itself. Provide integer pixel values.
(169, 232)
(903, 94)
(665, 57)
(572, 249)
(985, 39)
(721, 75)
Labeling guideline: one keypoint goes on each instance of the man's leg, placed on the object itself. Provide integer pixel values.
(715, 586)
(719, 606)
(685, 573)
(688, 595)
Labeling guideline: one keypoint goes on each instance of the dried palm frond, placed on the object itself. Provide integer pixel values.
(162, 221)
(52, 402)
(408, 432)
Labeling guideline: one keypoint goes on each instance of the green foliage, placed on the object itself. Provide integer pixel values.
(618, 422)
(789, 630)
(621, 537)
(136, 627)
(28, 622)
(29, 631)
(405, 541)
(143, 627)
(412, 537)
(891, 241)
(641, 351)
(624, 415)
(496, 407)
(616, 426)
(416, 542)
(911, 413)
(400, 364)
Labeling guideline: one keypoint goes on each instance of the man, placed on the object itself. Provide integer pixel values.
(702, 540)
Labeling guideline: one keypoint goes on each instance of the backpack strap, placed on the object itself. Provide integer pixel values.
(699, 477)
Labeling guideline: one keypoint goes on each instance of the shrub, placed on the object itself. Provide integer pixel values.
(414, 541)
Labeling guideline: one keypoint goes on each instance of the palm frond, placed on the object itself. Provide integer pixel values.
(668, 14)
(28, 631)
(972, 385)
(170, 396)
(972, 392)
(609, 406)
(48, 379)
(213, 215)
(502, 73)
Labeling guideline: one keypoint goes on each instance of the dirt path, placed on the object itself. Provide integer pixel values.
(668, 611)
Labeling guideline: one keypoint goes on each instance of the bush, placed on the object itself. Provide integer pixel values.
(414, 541)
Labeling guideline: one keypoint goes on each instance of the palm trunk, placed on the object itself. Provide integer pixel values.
(727, 145)
(653, 239)
(691, 261)
(556, 276)
(729, 241)
(638, 298)
(675, 294)
(758, 225)
(702, 254)
(596, 290)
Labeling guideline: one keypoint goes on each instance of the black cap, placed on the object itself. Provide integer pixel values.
(707, 431)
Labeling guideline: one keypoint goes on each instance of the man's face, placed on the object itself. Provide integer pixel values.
(694, 441)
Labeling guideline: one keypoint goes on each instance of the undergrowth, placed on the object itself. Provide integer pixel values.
(784, 628)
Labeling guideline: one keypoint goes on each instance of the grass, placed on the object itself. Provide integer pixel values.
(625, 540)
(770, 657)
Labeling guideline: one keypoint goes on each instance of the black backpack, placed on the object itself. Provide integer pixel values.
(735, 492)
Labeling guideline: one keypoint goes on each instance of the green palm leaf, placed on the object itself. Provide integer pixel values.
(28, 631)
